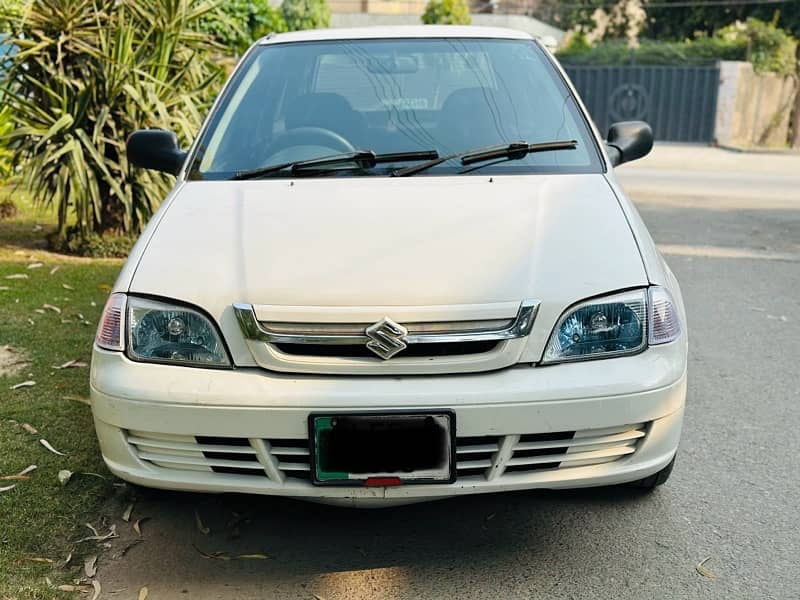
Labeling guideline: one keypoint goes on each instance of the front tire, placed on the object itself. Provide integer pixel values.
(651, 482)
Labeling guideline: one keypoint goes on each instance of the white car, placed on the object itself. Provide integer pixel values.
(396, 266)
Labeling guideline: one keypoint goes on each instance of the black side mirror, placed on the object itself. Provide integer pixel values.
(628, 141)
(155, 149)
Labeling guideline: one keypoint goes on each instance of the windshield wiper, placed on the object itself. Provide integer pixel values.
(512, 151)
(364, 159)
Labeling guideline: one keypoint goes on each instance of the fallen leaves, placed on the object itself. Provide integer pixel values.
(17, 276)
(54, 269)
(703, 570)
(35, 265)
(67, 286)
(90, 565)
(142, 594)
(24, 384)
(55, 309)
(137, 526)
(39, 559)
(97, 537)
(21, 476)
(200, 527)
(30, 428)
(75, 588)
(7, 488)
(126, 516)
(228, 556)
(72, 364)
(64, 475)
(97, 589)
(49, 446)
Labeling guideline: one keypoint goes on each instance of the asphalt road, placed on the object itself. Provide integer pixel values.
(733, 239)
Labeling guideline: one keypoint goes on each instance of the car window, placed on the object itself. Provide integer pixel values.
(303, 100)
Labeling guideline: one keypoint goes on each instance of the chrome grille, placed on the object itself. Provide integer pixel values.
(492, 339)
(482, 457)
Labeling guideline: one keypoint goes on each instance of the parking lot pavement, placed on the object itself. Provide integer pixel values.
(732, 498)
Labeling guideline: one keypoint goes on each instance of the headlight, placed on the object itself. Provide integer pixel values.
(160, 332)
(614, 326)
(603, 327)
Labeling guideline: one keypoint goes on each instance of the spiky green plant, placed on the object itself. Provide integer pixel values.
(87, 74)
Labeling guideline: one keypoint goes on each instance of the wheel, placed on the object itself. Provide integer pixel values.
(311, 136)
(656, 479)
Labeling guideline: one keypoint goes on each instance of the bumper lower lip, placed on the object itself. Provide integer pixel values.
(251, 403)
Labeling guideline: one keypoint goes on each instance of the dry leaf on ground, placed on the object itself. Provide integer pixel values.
(112, 533)
(39, 559)
(228, 556)
(90, 566)
(137, 526)
(21, 476)
(71, 364)
(30, 428)
(47, 445)
(97, 589)
(200, 527)
(67, 286)
(64, 475)
(7, 488)
(17, 276)
(24, 384)
(36, 265)
(143, 594)
(703, 570)
(55, 309)
(54, 269)
(126, 516)
(75, 588)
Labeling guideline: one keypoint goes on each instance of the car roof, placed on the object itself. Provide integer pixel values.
(398, 31)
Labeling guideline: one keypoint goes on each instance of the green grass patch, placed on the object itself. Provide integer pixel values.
(41, 518)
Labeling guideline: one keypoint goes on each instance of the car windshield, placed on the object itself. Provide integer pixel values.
(304, 100)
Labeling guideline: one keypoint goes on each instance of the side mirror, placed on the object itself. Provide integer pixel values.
(628, 141)
(155, 149)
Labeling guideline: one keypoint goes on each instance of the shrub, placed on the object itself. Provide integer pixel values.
(446, 12)
(236, 24)
(306, 14)
(767, 47)
(86, 74)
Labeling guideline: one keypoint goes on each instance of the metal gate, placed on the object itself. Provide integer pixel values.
(679, 103)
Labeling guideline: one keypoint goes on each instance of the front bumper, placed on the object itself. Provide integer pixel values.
(643, 394)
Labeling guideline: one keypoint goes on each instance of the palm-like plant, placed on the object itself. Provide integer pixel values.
(87, 73)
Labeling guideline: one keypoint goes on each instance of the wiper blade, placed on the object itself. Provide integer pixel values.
(517, 150)
(512, 151)
(365, 159)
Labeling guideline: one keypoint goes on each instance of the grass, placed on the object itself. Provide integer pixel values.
(40, 518)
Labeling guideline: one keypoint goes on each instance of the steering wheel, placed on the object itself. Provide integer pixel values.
(311, 136)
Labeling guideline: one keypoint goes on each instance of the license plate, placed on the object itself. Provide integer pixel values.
(382, 448)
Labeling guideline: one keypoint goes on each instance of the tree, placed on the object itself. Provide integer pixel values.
(236, 24)
(598, 20)
(88, 73)
(306, 14)
(680, 22)
(446, 12)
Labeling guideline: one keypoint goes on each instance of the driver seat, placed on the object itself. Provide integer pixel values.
(328, 111)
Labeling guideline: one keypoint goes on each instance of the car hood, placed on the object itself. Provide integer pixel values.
(377, 241)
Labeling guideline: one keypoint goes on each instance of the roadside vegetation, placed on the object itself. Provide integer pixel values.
(768, 47)
(446, 12)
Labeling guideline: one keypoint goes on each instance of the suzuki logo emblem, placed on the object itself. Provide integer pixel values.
(386, 338)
